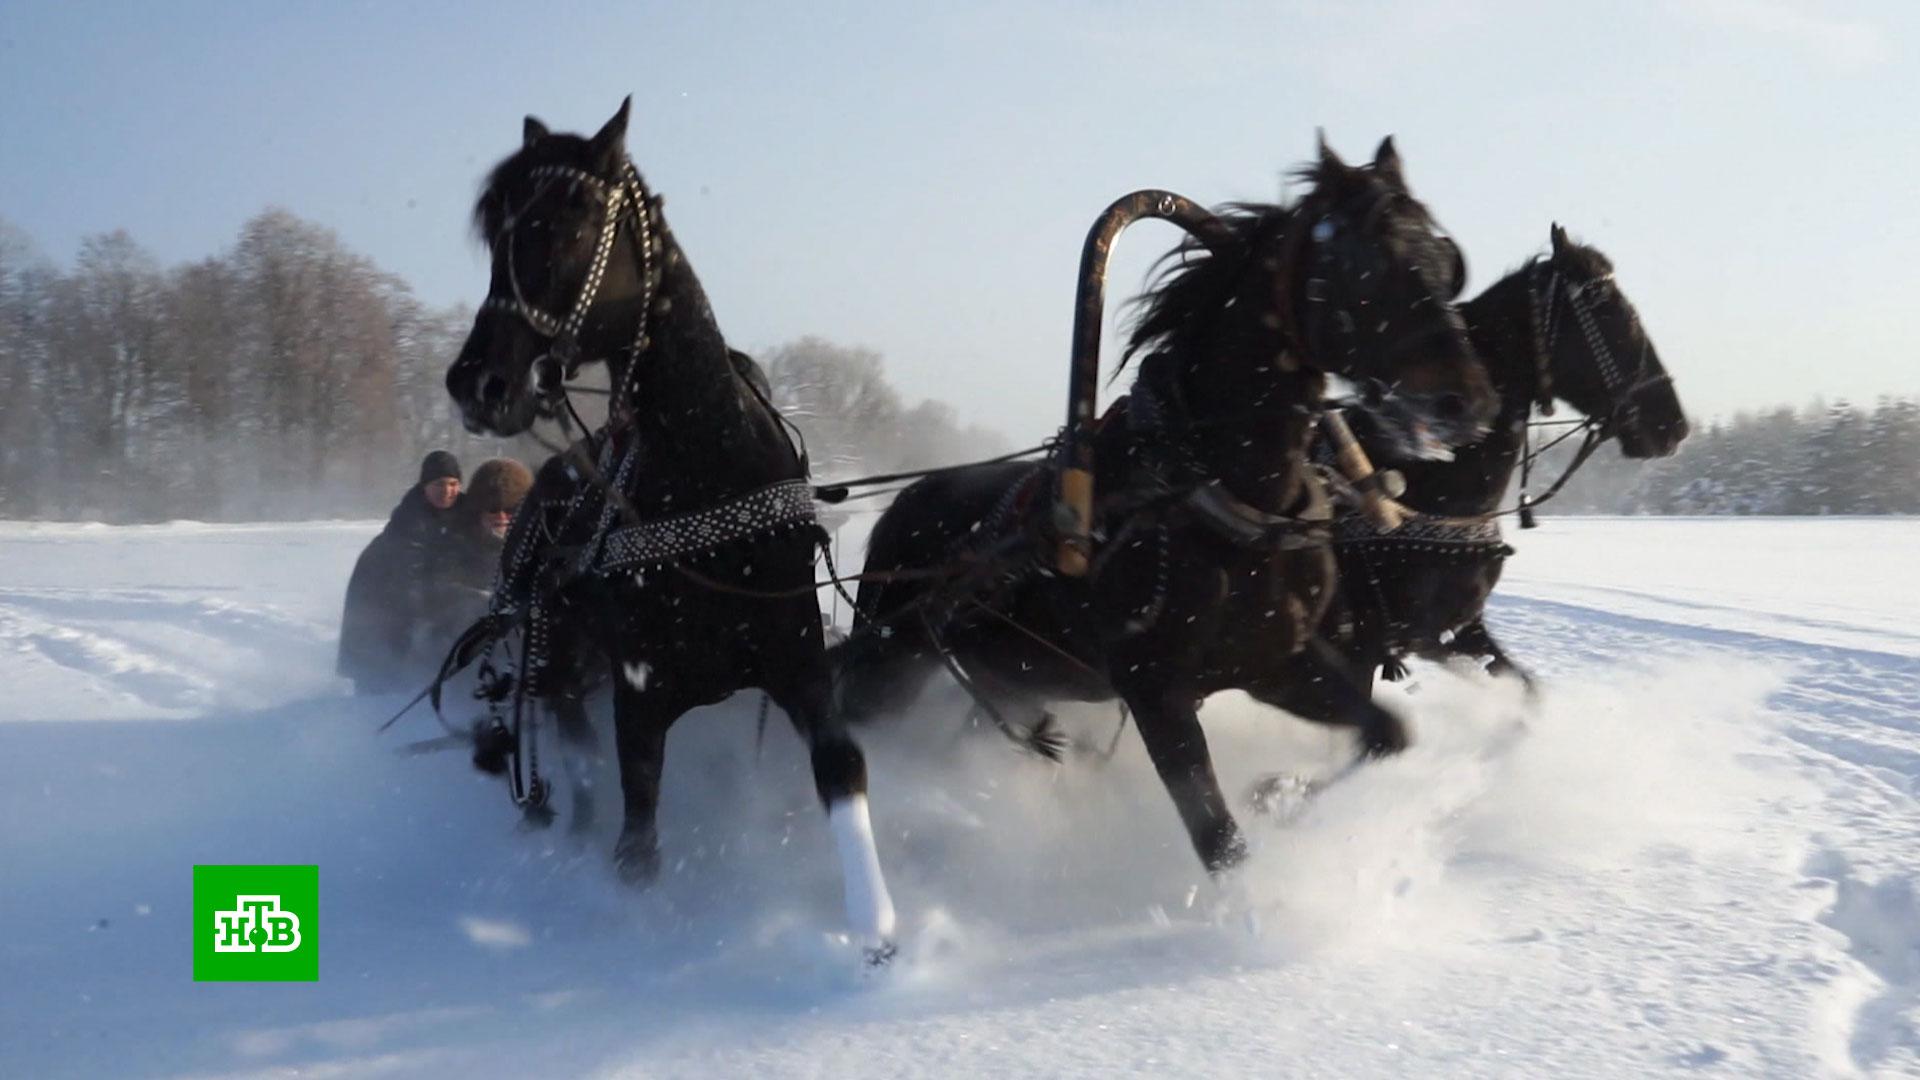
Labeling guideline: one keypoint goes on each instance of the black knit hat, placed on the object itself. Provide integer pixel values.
(438, 466)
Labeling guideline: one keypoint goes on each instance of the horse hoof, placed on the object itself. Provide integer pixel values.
(581, 821)
(1230, 851)
(1281, 796)
(637, 862)
(1386, 738)
(536, 818)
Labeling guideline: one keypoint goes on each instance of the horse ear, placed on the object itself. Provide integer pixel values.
(532, 132)
(1386, 162)
(1328, 159)
(1560, 241)
(611, 140)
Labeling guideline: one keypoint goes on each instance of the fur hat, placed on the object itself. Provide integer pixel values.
(439, 465)
(499, 484)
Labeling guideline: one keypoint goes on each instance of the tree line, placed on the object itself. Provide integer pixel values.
(289, 377)
(285, 377)
(1825, 458)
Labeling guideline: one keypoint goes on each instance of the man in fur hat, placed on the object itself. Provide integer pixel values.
(455, 586)
(460, 580)
(499, 486)
(377, 628)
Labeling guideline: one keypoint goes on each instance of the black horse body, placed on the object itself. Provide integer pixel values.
(1558, 327)
(678, 635)
(1184, 597)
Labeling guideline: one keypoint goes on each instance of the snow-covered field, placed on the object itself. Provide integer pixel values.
(1698, 852)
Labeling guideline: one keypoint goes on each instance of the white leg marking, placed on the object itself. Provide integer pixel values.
(869, 908)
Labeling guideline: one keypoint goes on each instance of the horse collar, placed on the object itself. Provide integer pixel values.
(1302, 525)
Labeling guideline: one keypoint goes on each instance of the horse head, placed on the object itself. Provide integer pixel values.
(1354, 280)
(1592, 351)
(573, 234)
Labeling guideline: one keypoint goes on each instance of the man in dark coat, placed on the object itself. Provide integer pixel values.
(376, 631)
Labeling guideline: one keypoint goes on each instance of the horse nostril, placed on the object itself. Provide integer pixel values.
(493, 388)
(1451, 406)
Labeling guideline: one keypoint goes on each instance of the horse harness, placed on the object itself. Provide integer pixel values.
(543, 560)
(1545, 293)
(1477, 538)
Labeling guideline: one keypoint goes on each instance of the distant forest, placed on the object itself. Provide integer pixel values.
(1825, 458)
(289, 377)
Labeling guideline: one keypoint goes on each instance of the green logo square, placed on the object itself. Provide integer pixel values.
(256, 924)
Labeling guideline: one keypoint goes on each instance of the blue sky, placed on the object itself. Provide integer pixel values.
(917, 178)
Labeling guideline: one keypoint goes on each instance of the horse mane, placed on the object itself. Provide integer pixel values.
(1584, 257)
(490, 206)
(1187, 285)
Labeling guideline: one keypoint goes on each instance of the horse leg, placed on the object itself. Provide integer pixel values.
(1474, 639)
(1169, 725)
(1321, 685)
(995, 701)
(876, 674)
(1017, 714)
(840, 778)
(640, 723)
(579, 756)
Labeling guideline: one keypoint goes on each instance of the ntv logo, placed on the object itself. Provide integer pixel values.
(256, 923)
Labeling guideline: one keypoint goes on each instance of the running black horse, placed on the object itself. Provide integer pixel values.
(663, 541)
(1210, 554)
(1558, 327)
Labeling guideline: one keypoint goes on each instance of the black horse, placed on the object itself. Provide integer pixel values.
(681, 542)
(1209, 554)
(1558, 327)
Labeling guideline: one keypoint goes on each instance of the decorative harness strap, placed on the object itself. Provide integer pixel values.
(1467, 539)
(1472, 538)
(648, 545)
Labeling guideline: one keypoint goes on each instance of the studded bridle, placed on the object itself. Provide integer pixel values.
(1548, 290)
(625, 201)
